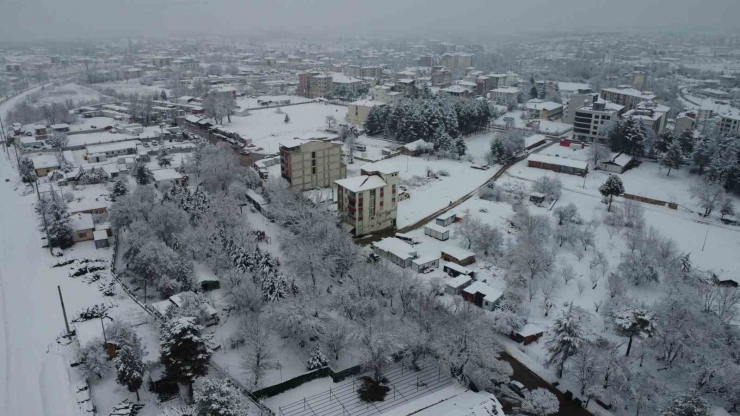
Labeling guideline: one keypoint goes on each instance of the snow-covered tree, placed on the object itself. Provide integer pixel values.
(637, 268)
(540, 402)
(488, 239)
(550, 186)
(93, 358)
(633, 322)
(167, 221)
(566, 214)
(709, 196)
(563, 340)
(337, 336)
(142, 174)
(59, 140)
(317, 359)
(377, 342)
(613, 186)
(686, 404)
(727, 207)
(120, 188)
(287, 119)
(27, 171)
(258, 357)
(497, 152)
(53, 209)
(586, 366)
(164, 159)
(184, 350)
(672, 157)
(219, 397)
(548, 288)
(664, 141)
(129, 362)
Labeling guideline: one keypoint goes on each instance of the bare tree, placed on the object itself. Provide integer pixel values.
(597, 153)
(533, 286)
(566, 271)
(708, 195)
(615, 286)
(581, 285)
(548, 288)
(585, 368)
(337, 336)
(258, 357)
(594, 277)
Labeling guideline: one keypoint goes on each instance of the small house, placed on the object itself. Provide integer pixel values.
(425, 263)
(414, 148)
(454, 270)
(83, 227)
(445, 219)
(482, 295)
(537, 197)
(617, 164)
(527, 334)
(43, 164)
(437, 231)
(259, 203)
(169, 176)
(456, 285)
(207, 280)
(395, 250)
(101, 239)
(458, 255)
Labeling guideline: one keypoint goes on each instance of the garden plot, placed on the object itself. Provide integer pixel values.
(428, 194)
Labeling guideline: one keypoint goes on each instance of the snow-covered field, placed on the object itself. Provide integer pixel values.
(60, 94)
(248, 102)
(132, 86)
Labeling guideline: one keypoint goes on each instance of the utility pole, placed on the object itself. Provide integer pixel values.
(64, 311)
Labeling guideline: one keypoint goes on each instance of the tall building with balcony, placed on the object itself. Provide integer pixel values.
(626, 96)
(589, 120)
(729, 123)
(368, 203)
(311, 164)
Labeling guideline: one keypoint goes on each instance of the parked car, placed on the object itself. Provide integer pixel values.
(145, 144)
(28, 133)
(93, 127)
(518, 388)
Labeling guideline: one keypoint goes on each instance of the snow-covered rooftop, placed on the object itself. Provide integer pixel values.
(437, 228)
(45, 161)
(457, 252)
(490, 294)
(543, 105)
(397, 247)
(112, 147)
(82, 222)
(166, 175)
(632, 92)
(507, 90)
(424, 260)
(89, 331)
(458, 268)
(367, 103)
(416, 144)
(361, 183)
(553, 160)
(458, 281)
(204, 273)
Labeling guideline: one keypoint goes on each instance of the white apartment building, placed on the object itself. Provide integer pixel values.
(311, 164)
(457, 62)
(576, 101)
(505, 96)
(626, 96)
(357, 111)
(369, 202)
(385, 94)
(589, 119)
(652, 114)
(729, 123)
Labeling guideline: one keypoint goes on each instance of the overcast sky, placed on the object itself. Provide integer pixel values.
(57, 19)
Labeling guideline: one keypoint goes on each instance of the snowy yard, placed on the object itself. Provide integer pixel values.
(132, 86)
(60, 94)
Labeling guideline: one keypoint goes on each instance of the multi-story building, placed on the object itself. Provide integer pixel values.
(385, 94)
(685, 121)
(441, 78)
(652, 114)
(729, 123)
(369, 202)
(311, 164)
(186, 63)
(304, 83)
(638, 80)
(626, 96)
(576, 101)
(457, 62)
(545, 110)
(589, 119)
(546, 87)
(426, 60)
(498, 81)
(162, 61)
(318, 84)
(357, 111)
(505, 96)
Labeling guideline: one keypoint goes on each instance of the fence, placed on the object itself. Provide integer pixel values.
(671, 205)
(294, 382)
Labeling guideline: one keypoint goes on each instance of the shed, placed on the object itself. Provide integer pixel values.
(458, 255)
(101, 239)
(424, 263)
(455, 270)
(557, 164)
(437, 231)
(456, 285)
(168, 176)
(445, 219)
(617, 164)
(527, 334)
(83, 227)
(395, 250)
(259, 202)
(207, 280)
(482, 295)
(43, 164)
(537, 197)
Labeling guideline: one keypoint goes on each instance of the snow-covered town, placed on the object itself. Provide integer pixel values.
(253, 218)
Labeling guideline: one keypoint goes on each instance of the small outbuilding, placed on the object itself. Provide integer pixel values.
(83, 227)
(422, 264)
(456, 285)
(445, 219)
(207, 280)
(437, 231)
(454, 270)
(458, 255)
(557, 164)
(617, 164)
(168, 176)
(395, 250)
(43, 164)
(101, 239)
(482, 295)
(527, 334)
(537, 197)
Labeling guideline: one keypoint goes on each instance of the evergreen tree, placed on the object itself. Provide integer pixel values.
(634, 136)
(129, 363)
(164, 159)
(216, 397)
(27, 171)
(686, 404)
(163, 95)
(564, 340)
(701, 155)
(672, 158)
(287, 119)
(613, 186)
(58, 222)
(531, 79)
(630, 322)
(120, 188)
(461, 147)
(533, 93)
(443, 143)
(317, 359)
(142, 174)
(686, 139)
(665, 139)
(498, 151)
(184, 350)
(727, 207)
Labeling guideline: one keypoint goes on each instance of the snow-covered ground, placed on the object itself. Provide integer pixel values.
(132, 86)
(60, 94)
(248, 102)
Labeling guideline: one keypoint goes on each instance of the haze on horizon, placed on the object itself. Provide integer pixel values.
(80, 19)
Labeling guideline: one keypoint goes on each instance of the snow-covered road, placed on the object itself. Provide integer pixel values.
(34, 378)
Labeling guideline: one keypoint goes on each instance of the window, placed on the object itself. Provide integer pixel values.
(82, 234)
(313, 169)
(393, 190)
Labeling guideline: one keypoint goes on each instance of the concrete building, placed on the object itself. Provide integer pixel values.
(589, 119)
(385, 94)
(498, 80)
(545, 110)
(505, 96)
(426, 60)
(685, 121)
(652, 115)
(311, 164)
(441, 78)
(363, 71)
(357, 111)
(638, 80)
(457, 62)
(576, 101)
(162, 61)
(368, 203)
(626, 96)
(729, 123)
(318, 84)
(186, 63)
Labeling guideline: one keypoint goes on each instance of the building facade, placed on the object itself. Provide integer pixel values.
(368, 203)
(505, 96)
(589, 119)
(729, 123)
(312, 164)
(626, 96)
(357, 111)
